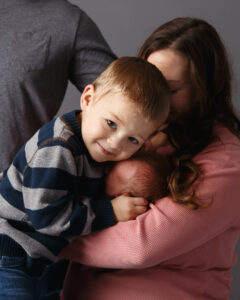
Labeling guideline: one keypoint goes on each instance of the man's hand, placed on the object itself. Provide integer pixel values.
(128, 208)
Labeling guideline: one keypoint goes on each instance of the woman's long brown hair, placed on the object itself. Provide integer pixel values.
(210, 73)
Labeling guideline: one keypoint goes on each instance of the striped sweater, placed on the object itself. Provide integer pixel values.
(50, 193)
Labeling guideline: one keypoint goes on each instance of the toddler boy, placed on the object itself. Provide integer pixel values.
(49, 194)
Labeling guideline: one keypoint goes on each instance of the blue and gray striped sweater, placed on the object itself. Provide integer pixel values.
(50, 193)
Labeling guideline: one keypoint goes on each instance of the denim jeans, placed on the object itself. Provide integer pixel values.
(16, 284)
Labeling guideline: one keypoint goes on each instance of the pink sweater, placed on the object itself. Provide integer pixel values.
(169, 252)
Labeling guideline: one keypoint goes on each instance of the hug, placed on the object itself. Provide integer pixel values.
(135, 193)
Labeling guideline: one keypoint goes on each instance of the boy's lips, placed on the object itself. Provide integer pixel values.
(103, 149)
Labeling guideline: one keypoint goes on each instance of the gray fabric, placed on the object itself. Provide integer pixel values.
(43, 44)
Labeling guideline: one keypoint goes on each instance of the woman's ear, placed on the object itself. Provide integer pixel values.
(87, 97)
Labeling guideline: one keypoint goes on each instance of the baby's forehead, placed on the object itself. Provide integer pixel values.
(125, 168)
(129, 168)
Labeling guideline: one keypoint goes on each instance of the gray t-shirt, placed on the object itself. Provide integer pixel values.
(43, 45)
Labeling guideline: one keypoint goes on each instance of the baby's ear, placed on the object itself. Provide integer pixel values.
(87, 97)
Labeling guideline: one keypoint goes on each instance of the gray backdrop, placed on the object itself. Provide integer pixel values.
(126, 23)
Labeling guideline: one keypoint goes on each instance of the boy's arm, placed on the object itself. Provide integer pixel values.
(49, 182)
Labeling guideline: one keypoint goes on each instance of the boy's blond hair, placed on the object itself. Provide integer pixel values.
(138, 80)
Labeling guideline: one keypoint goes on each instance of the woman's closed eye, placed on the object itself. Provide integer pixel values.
(133, 140)
(111, 124)
(174, 91)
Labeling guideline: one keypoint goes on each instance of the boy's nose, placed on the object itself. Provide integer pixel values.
(115, 143)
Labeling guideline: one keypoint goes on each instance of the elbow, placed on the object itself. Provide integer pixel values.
(139, 260)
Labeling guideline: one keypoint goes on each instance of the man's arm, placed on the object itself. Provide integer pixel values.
(90, 55)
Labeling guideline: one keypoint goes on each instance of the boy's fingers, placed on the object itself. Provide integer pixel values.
(140, 201)
(140, 209)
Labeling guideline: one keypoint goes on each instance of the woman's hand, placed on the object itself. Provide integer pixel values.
(157, 140)
(128, 208)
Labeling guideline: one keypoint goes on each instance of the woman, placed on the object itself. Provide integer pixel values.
(183, 247)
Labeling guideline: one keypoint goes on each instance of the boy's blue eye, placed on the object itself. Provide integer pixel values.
(133, 140)
(111, 124)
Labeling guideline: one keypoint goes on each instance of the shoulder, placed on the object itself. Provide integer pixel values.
(224, 150)
(57, 18)
(50, 138)
(220, 165)
(56, 129)
(59, 7)
(62, 11)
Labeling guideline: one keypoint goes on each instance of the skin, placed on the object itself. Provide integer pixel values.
(113, 128)
(176, 69)
(137, 177)
(130, 177)
(118, 177)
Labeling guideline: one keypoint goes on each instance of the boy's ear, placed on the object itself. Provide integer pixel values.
(87, 97)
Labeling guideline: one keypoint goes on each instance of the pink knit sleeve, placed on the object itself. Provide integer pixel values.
(167, 229)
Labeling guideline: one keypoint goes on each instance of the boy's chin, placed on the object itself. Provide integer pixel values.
(98, 160)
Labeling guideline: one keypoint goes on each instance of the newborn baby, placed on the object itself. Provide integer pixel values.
(142, 175)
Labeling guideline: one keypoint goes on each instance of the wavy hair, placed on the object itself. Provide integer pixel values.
(211, 75)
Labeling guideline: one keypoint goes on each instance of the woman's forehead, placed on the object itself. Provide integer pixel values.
(174, 66)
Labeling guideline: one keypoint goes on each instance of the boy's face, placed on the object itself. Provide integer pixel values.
(113, 128)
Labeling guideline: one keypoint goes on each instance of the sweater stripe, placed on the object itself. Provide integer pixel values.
(51, 157)
(48, 178)
(42, 218)
(30, 148)
(15, 178)
(7, 210)
(46, 132)
(20, 160)
(37, 199)
(12, 196)
(32, 246)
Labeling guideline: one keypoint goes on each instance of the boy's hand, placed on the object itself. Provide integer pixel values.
(128, 208)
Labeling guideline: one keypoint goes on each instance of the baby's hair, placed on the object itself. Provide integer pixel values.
(138, 80)
(151, 180)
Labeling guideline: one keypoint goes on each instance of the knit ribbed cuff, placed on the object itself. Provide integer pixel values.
(104, 213)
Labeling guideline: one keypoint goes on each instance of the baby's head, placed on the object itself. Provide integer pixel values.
(124, 106)
(142, 175)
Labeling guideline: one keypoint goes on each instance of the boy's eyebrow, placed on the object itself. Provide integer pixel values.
(116, 117)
